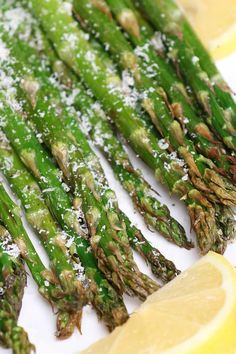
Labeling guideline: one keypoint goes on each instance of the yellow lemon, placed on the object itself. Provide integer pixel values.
(195, 313)
(215, 23)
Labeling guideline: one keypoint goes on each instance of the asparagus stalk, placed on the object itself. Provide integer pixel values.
(146, 43)
(105, 300)
(12, 283)
(180, 50)
(139, 190)
(79, 55)
(109, 237)
(106, 194)
(143, 73)
(224, 214)
(45, 279)
(160, 266)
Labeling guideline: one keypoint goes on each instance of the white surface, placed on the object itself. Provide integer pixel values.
(36, 315)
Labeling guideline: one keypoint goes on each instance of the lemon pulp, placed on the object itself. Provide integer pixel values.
(193, 314)
(215, 23)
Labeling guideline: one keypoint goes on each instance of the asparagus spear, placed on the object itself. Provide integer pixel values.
(160, 266)
(140, 191)
(30, 153)
(143, 73)
(48, 286)
(105, 300)
(12, 283)
(90, 115)
(79, 55)
(180, 50)
(146, 43)
(90, 159)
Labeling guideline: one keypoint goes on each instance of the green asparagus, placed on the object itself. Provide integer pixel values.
(168, 21)
(160, 266)
(52, 240)
(89, 155)
(107, 303)
(155, 214)
(12, 283)
(78, 54)
(137, 187)
(40, 219)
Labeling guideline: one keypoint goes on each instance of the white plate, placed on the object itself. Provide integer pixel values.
(36, 315)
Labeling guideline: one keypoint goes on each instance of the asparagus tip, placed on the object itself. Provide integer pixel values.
(66, 323)
(204, 224)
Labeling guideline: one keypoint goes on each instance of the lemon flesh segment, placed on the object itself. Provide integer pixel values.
(103, 345)
(225, 44)
(195, 313)
(214, 21)
(203, 276)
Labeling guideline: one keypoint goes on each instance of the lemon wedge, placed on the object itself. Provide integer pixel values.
(195, 313)
(215, 23)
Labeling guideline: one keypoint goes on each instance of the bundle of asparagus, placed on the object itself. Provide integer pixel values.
(12, 283)
(61, 87)
(80, 137)
(105, 86)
